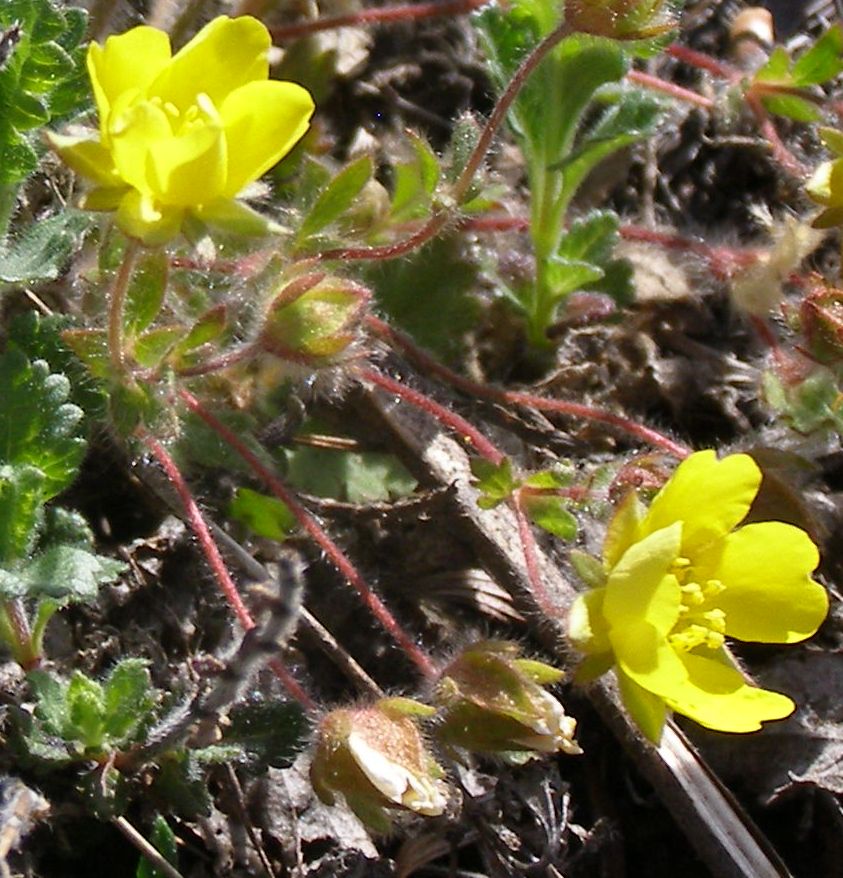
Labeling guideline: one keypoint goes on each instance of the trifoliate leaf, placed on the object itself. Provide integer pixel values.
(495, 482)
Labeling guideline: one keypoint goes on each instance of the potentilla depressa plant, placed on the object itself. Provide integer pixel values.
(212, 305)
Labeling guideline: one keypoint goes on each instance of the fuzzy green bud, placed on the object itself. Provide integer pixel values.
(376, 759)
(313, 319)
(492, 701)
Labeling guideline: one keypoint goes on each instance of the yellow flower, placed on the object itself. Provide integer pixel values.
(181, 135)
(826, 183)
(679, 578)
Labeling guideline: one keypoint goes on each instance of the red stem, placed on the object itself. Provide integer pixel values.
(445, 416)
(485, 391)
(675, 91)
(781, 153)
(401, 12)
(216, 563)
(704, 62)
(309, 524)
(461, 186)
(531, 561)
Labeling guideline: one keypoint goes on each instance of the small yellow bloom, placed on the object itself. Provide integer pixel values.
(826, 183)
(183, 134)
(679, 579)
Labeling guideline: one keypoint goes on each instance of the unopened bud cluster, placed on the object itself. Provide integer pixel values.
(618, 19)
(488, 700)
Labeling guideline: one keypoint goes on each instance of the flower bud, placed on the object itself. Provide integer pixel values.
(617, 19)
(376, 759)
(821, 318)
(313, 319)
(492, 701)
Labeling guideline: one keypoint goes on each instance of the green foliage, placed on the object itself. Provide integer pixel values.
(429, 294)
(40, 338)
(548, 118)
(540, 494)
(42, 80)
(38, 426)
(355, 477)
(817, 65)
(163, 839)
(43, 250)
(81, 718)
(336, 198)
(264, 516)
(271, 733)
(43, 557)
(810, 405)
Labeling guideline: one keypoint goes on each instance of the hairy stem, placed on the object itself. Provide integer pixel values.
(216, 563)
(589, 413)
(441, 217)
(383, 15)
(445, 416)
(309, 524)
(116, 306)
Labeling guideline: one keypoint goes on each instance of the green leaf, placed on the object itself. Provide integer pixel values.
(777, 68)
(180, 783)
(589, 569)
(272, 732)
(63, 572)
(429, 294)
(51, 706)
(551, 514)
(337, 197)
(86, 711)
(41, 81)
(146, 291)
(495, 482)
(822, 61)
(21, 501)
(152, 346)
(414, 182)
(164, 841)
(129, 701)
(265, 516)
(37, 425)
(44, 249)
(40, 338)
(792, 107)
(354, 477)
(566, 275)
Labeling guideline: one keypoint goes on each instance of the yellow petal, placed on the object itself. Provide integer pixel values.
(718, 697)
(709, 496)
(587, 627)
(135, 136)
(263, 121)
(140, 218)
(648, 659)
(190, 168)
(640, 588)
(226, 54)
(127, 63)
(648, 710)
(623, 529)
(769, 595)
(87, 156)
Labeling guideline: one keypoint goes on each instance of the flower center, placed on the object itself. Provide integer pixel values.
(700, 623)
